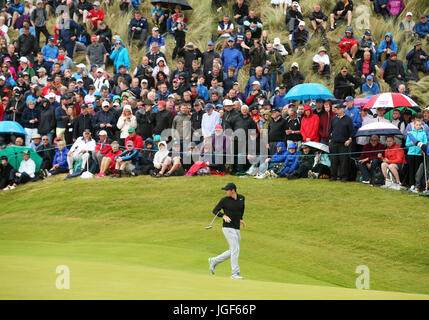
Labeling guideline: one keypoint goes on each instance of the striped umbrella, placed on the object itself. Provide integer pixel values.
(378, 128)
(390, 100)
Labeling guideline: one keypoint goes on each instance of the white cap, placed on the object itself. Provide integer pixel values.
(79, 80)
(295, 64)
(302, 23)
(50, 95)
(100, 70)
(409, 14)
(256, 82)
(80, 65)
(102, 133)
(228, 102)
(105, 103)
(2, 78)
(96, 3)
(276, 41)
(23, 59)
(295, 3)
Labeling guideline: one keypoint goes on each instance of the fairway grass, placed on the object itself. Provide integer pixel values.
(144, 238)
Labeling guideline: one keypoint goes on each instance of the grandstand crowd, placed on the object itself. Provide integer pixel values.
(113, 119)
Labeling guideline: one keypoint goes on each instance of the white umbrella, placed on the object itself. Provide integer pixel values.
(316, 145)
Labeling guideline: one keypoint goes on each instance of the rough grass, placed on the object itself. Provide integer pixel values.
(305, 232)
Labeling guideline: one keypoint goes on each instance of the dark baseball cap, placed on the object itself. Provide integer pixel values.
(230, 186)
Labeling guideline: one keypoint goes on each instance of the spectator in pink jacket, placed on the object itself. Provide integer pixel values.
(395, 7)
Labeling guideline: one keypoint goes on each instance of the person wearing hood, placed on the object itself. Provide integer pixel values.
(310, 125)
(120, 55)
(126, 121)
(160, 156)
(348, 45)
(305, 163)
(325, 122)
(47, 120)
(290, 163)
(161, 65)
(387, 46)
(417, 60)
(163, 118)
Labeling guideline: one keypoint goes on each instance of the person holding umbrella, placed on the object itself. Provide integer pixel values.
(7, 172)
(233, 207)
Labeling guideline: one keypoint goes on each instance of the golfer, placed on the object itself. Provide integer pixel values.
(233, 208)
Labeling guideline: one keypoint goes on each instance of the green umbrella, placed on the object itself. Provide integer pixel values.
(388, 115)
(14, 156)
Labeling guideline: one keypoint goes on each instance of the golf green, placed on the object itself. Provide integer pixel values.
(145, 238)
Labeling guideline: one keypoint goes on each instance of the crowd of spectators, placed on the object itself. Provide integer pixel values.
(155, 117)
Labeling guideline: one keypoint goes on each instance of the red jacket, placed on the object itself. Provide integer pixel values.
(310, 126)
(112, 155)
(394, 156)
(137, 140)
(92, 14)
(103, 148)
(346, 44)
(325, 123)
(368, 151)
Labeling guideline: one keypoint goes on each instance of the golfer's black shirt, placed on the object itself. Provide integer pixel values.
(234, 209)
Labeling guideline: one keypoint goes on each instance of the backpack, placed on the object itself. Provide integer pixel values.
(377, 178)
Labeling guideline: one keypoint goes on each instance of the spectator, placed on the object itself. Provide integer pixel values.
(422, 27)
(293, 17)
(342, 10)
(353, 112)
(68, 31)
(46, 152)
(305, 163)
(407, 25)
(138, 28)
(96, 53)
(209, 121)
(36, 141)
(367, 44)
(365, 67)
(380, 8)
(30, 120)
(253, 23)
(343, 84)
(225, 28)
(280, 100)
(395, 7)
(190, 53)
(80, 151)
(414, 154)
(120, 55)
(310, 125)
(300, 38)
(393, 159)
(325, 121)
(208, 57)
(155, 37)
(39, 20)
(348, 45)
(27, 44)
(392, 72)
(370, 87)
(341, 134)
(276, 130)
(232, 57)
(387, 46)
(293, 77)
(93, 16)
(321, 166)
(273, 62)
(417, 60)
(26, 170)
(126, 161)
(240, 10)
(321, 63)
(7, 174)
(369, 159)
(317, 17)
(179, 29)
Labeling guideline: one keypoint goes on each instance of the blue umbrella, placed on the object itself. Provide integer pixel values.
(11, 127)
(307, 91)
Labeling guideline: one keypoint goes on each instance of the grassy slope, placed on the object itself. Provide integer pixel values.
(298, 232)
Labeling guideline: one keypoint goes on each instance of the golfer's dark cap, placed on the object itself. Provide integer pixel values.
(408, 112)
(230, 186)
(27, 152)
(3, 158)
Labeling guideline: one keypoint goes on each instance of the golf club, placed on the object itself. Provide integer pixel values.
(211, 224)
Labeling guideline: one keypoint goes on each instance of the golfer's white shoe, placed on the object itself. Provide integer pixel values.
(212, 266)
(237, 277)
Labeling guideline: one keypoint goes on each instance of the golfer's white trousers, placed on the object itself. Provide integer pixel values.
(233, 238)
(76, 156)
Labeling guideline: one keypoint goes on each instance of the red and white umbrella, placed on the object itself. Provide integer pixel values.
(390, 100)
